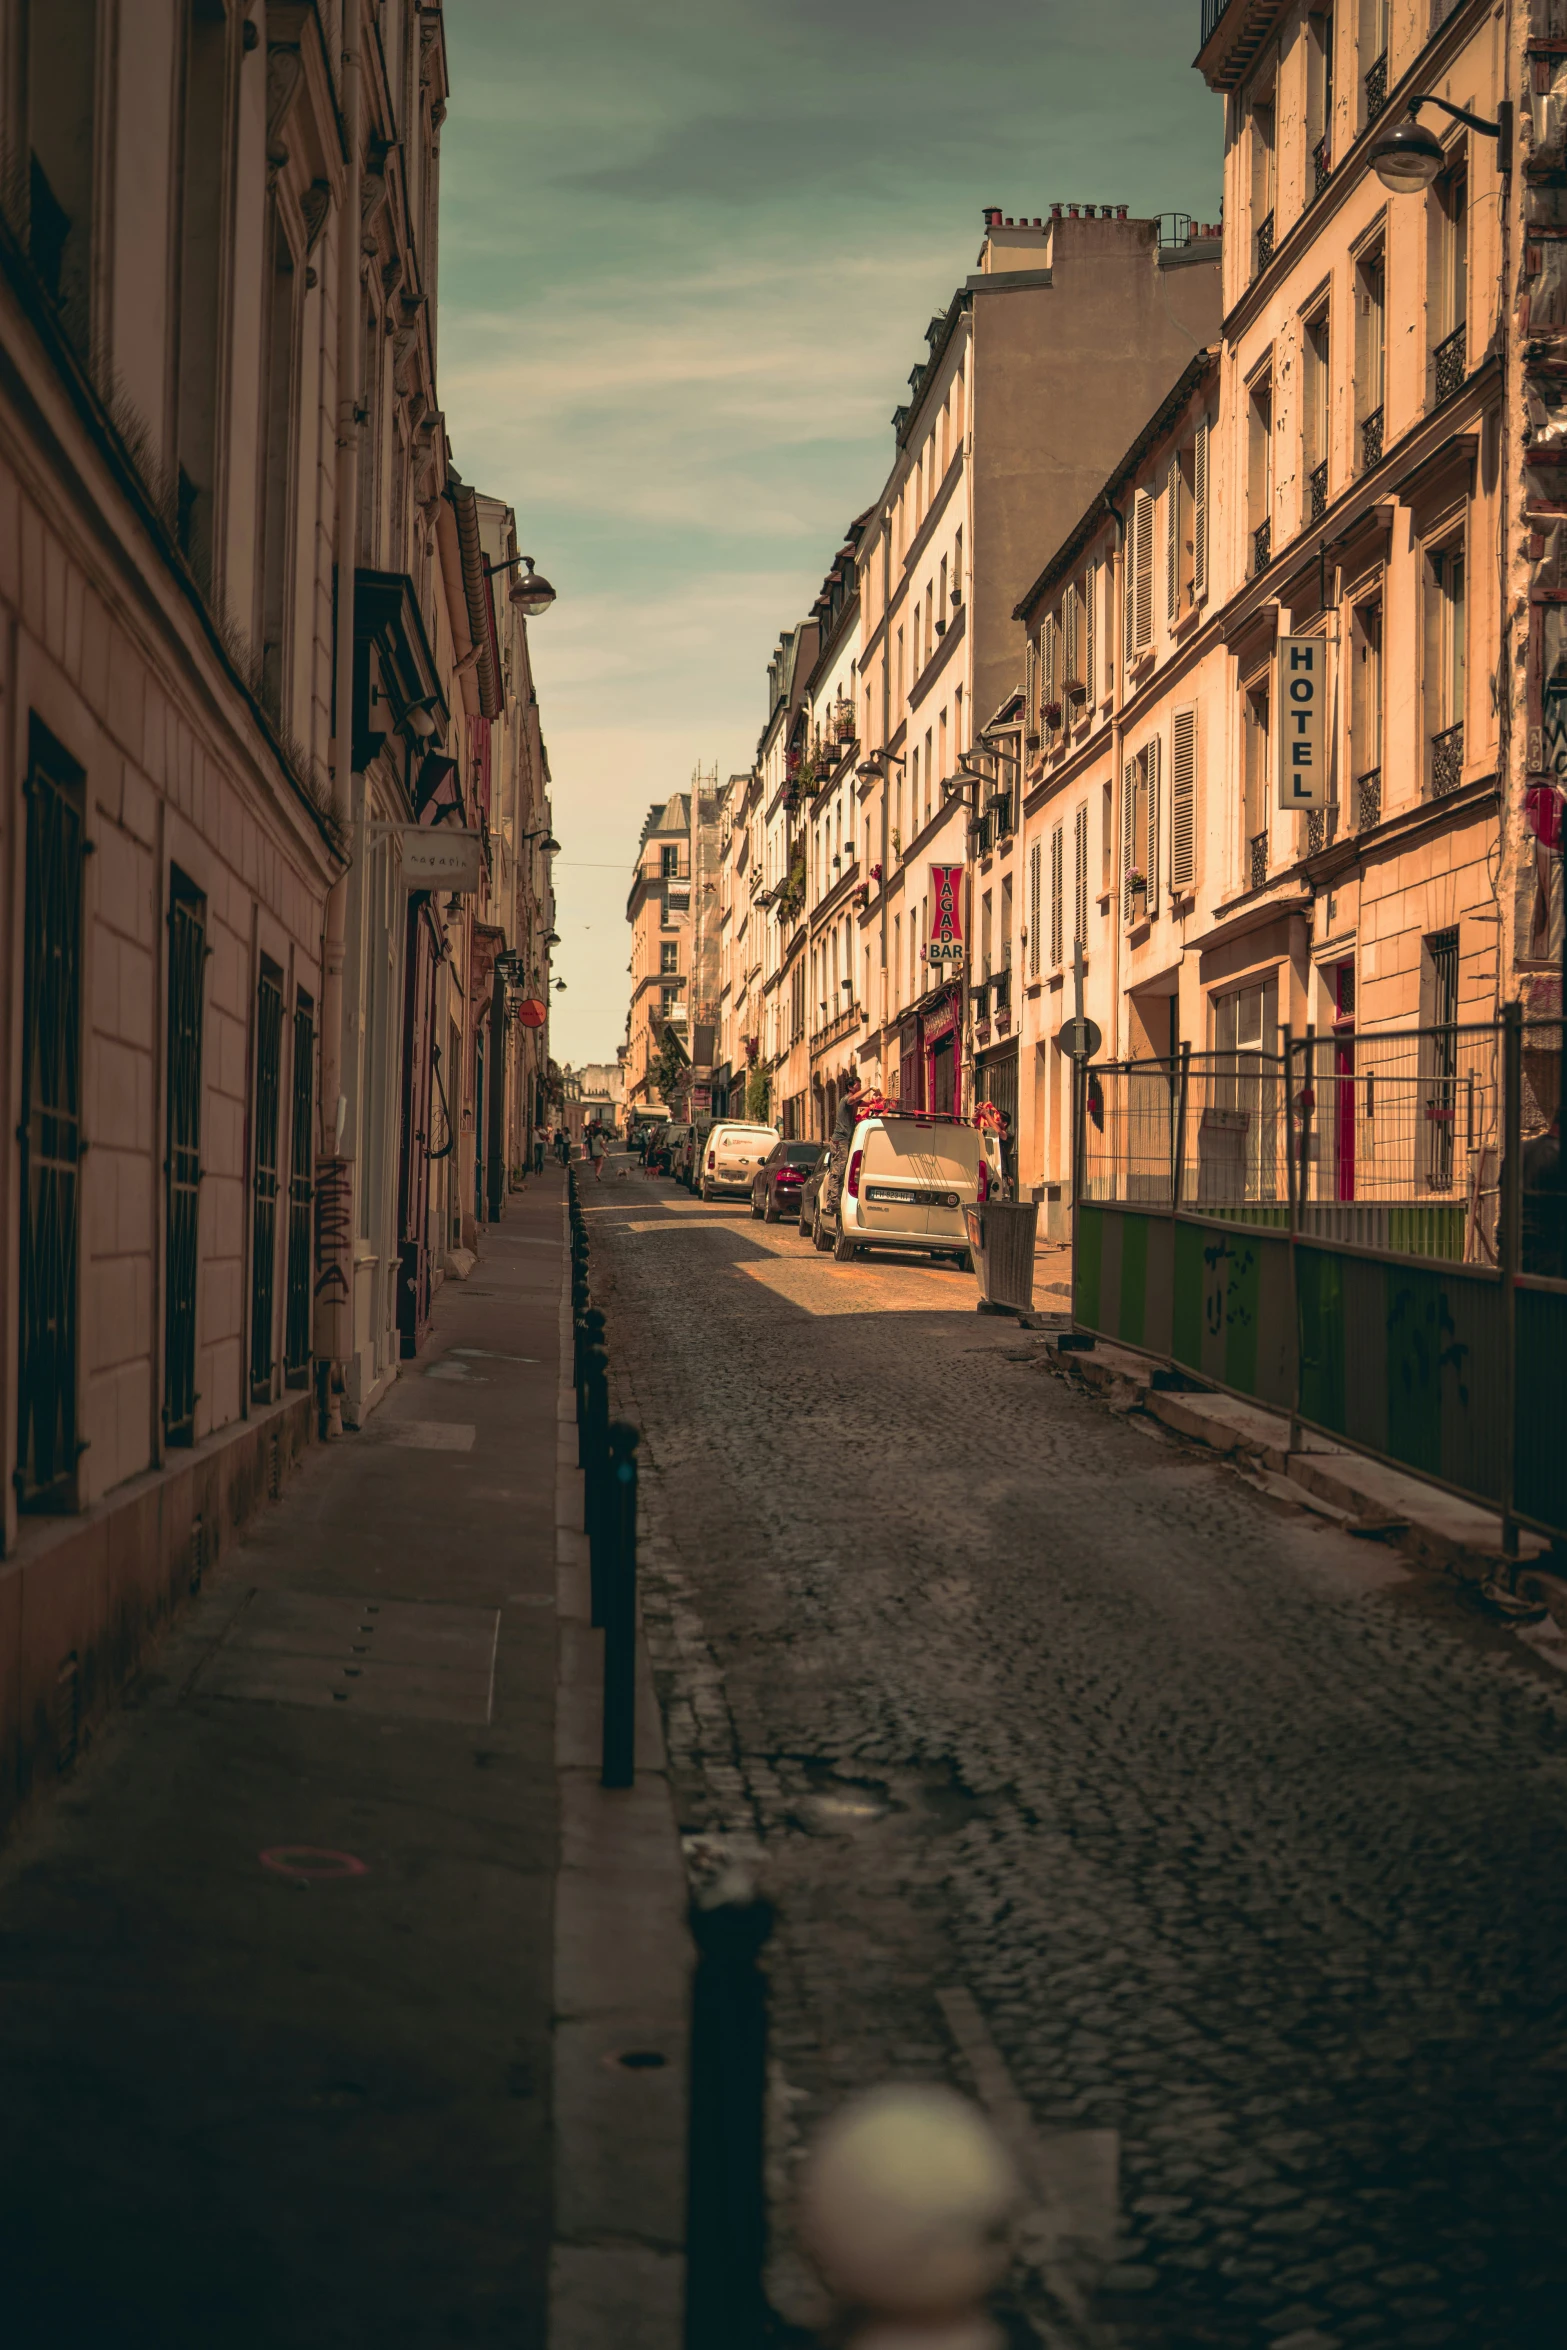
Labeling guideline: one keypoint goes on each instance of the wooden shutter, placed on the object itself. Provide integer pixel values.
(1129, 583)
(1047, 647)
(1142, 523)
(1128, 842)
(1030, 684)
(1172, 548)
(1183, 800)
(1036, 858)
(1071, 671)
(1200, 509)
(1080, 878)
(1153, 757)
(1090, 598)
(1055, 899)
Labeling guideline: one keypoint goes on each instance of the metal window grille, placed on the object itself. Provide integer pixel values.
(1257, 860)
(187, 923)
(1321, 827)
(1450, 360)
(1447, 760)
(1440, 1055)
(1375, 86)
(1371, 439)
(1321, 165)
(1318, 485)
(301, 1196)
(1368, 799)
(1261, 547)
(1264, 241)
(50, 1129)
(264, 1178)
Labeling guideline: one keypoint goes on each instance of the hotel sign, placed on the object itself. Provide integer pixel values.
(1302, 727)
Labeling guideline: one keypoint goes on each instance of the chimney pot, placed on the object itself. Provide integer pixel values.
(1055, 211)
(992, 215)
(1120, 212)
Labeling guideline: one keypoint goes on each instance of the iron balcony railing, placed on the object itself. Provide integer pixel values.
(1212, 10)
(1375, 86)
(1317, 485)
(1447, 760)
(1261, 547)
(1321, 165)
(1263, 242)
(1450, 360)
(1368, 799)
(1321, 825)
(1371, 440)
(1257, 861)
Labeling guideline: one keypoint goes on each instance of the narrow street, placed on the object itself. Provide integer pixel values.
(1242, 1841)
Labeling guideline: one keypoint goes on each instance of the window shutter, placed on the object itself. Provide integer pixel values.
(1154, 756)
(1080, 889)
(1128, 845)
(1200, 509)
(1048, 648)
(1172, 552)
(1036, 858)
(1129, 582)
(1055, 899)
(1030, 683)
(1071, 673)
(1143, 618)
(1090, 597)
(1183, 800)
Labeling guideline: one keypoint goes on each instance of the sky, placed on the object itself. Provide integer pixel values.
(689, 249)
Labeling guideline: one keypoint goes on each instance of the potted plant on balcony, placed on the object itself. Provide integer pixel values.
(1051, 714)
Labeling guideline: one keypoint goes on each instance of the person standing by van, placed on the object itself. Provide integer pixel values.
(838, 1149)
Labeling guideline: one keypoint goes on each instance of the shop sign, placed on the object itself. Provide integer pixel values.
(946, 913)
(1303, 722)
(439, 856)
(940, 1018)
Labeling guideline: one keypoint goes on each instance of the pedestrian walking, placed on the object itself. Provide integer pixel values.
(838, 1149)
(540, 1139)
(597, 1147)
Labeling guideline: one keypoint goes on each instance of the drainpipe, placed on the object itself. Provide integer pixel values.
(886, 779)
(1117, 779)
(334, 1268)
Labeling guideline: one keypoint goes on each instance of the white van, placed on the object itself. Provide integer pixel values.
(909, 1178)
(733, 1154)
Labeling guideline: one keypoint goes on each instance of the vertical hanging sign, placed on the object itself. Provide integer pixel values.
(1302, 728)
(946, 914)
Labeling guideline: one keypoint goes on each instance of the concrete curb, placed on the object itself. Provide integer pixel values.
(1436, 1530)
(622, 1981)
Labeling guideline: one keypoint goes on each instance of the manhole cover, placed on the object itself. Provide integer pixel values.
(386, 1656)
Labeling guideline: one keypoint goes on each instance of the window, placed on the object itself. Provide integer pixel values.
(1447, 304)
(1035, 887)
(1263, 177)
(264, 1185)
(62, 51)
(301, 1190)
(1316, 412)
(1056, 897)
(1375, 21)
(669, 864)
(1439, 1057)
(1237, 1148)
(986, 912)
(277, 472)
(1140, 834)
(1183, 800)
(200, 283)
(669, 954)
(669, 997)
(1254, 811)
(1177, 535)
(1259, 471)
(1139, 575)
(187, 959)
(1107, 840)
(1090, 650)
(1006, 922)
(897, 959)
(48, 1305)
(1200, 510)
(1445, 666)
(957, 568)
(1319, 103)
(1370, 354)
(1080, 877)
(1365, 720)
(929, 777)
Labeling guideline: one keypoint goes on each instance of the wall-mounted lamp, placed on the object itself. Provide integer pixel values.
(1408, 157)
(530, 592)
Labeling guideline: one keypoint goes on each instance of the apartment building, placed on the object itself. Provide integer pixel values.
(1038, 372)
(231, 671)
(783, 770)
(675, 948)
(838, 873)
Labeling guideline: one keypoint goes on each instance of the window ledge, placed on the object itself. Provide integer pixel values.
(1189, 620)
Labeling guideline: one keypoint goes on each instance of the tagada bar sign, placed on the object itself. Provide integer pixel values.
(1303, 722)
(439, 857)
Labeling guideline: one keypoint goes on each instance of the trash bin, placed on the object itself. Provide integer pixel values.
(1001, 1235)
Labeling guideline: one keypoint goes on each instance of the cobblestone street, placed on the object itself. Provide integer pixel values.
(1233, 1836)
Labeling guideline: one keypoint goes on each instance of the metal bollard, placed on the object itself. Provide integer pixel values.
(726, 2185)
(595, 1423)
(587, 1330)
(618, 1587)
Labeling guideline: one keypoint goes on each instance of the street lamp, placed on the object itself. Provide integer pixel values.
(545, 838)
(531, 592)
(1409, 157)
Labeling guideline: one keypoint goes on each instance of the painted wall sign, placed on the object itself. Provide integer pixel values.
(440, 857)
(1302, 730)
(946, 911)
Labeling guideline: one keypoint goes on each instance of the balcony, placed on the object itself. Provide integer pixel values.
(1447, 760)
(1321, 825)
(1368, 799)
(1212, 10)
(1371, 440)
(1321, 165)
(1317, 491)
(1375, 86)
(1449, 362)
(1261, 548)
(1262, 244)
(1257, 861)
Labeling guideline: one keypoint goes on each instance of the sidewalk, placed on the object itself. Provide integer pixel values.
(276, 1967)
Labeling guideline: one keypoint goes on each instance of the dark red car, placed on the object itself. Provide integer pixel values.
(775, 1187)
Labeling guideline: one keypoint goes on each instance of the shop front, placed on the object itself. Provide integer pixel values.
(941, 1038)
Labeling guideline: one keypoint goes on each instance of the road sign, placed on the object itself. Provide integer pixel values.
(1081, 1038)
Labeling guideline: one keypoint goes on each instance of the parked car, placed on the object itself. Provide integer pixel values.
(691, 1155)
(675, 1137)
(810, 1202)
(776, 1185)
(733, 1154)
(908, 1180)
